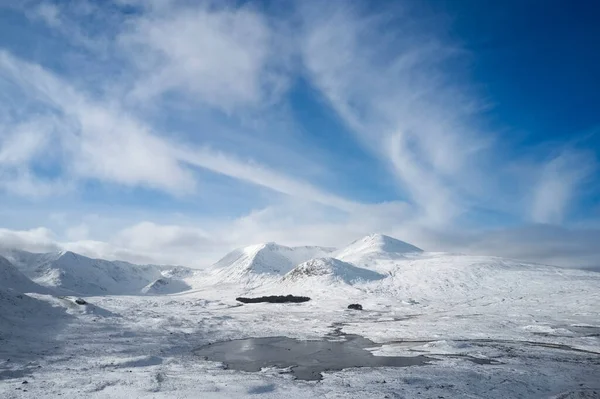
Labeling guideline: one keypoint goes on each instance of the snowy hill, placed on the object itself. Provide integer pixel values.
(375, 246)
(448, 277)
(165, 285)
(86, 276)
(12, 278)
(331, 270)
(21, 314)
(268, 259)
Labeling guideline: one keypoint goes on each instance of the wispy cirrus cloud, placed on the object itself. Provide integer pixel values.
(221, 56)
(560, 179)
(172, 96)
(395, 91)
(101, 141)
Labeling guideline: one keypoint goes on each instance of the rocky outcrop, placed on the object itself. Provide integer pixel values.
(274, 299)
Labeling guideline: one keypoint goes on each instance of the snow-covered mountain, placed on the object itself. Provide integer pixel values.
(12, 278)
(527, 321)
(375, 246)
(268, 259)
(331, 270)
(437, 276)
(381, 266)
(85, 276)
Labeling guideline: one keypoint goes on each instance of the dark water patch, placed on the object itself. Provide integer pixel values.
(274, 299)
(480, 361)
(305, 359)
(473, 359)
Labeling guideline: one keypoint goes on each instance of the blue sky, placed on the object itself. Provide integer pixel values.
(172, 131)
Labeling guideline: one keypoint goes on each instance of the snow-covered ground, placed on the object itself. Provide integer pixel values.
(497, 328)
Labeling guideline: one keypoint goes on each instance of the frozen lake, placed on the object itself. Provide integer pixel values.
(306, 359)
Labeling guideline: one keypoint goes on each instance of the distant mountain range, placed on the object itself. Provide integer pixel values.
(273, 260)
(70, 273)
(375, 263)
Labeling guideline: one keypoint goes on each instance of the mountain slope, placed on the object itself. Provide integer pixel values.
(268, 259)
(331, 270)
(22, 315)
(165, 285)
(444, 277)
(86, 276)
(375, 246)
(12, 278)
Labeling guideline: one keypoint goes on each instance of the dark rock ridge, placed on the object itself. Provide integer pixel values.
(274, 299)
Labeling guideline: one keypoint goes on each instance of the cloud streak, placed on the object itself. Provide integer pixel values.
(224, 57)
(101, 141)
(393, 92)
(182, 99)
(558, 184)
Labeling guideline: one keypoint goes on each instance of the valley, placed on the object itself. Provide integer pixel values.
(474, 326)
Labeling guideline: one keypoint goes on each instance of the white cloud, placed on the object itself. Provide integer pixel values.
(392, 84)
(62, 19)
(304, 224)
(23, 183)
(257, 174)
(148, 236)
(24, 144)
(101, 142)
(21, 142)
(392, 89)
(555, 245)
(35, 240)
(95, 140)
(558, 183)
(222, 56)
(49, 13)
(79, 232)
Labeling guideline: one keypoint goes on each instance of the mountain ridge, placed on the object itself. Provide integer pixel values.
(76, 273)
(12, 278)
(266, 259)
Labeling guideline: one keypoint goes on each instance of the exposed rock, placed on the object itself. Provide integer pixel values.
(274, 299)
(355, 306)
(80, 301)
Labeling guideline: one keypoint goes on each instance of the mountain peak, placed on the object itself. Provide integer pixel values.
(375, 244)
(68, 254)
(386, 243)
(265, 259)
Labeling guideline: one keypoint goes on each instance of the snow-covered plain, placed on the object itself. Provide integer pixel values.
(497, 328)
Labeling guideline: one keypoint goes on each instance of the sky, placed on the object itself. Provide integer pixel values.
(167, 131)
